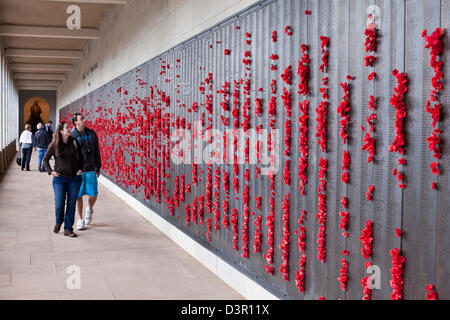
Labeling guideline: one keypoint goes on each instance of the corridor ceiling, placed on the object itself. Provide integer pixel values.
(39, 47)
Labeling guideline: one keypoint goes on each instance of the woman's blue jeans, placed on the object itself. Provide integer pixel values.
(66, 192)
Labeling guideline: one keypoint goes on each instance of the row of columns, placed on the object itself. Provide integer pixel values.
(9, 113)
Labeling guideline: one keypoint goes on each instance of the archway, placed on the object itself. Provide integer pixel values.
(36, 110)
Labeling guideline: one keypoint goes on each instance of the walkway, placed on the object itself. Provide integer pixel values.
(120, 255)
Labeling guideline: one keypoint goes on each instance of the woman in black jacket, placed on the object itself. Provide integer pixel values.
(69, 163)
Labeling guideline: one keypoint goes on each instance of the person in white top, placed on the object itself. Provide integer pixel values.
(26, 143)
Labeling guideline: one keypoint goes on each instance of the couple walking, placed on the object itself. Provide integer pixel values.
(76, 169)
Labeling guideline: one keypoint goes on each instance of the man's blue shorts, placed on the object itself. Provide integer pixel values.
(89, 185)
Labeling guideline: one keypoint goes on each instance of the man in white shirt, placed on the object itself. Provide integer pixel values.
(26, 143)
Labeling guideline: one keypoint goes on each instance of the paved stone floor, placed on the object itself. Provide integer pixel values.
(120, 255)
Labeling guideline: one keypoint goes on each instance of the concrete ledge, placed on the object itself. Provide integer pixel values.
(248, 288)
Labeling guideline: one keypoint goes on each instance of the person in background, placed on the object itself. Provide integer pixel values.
(91, 171)
(49, 129)
(41, 141)
(66, 174)
(26, 143)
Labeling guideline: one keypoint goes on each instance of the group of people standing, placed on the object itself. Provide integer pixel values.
(76, 168)
(40, 140)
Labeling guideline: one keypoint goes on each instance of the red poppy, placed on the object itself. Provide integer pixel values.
(274, 36)
(288, 30)
(274, 57)
(434, 168)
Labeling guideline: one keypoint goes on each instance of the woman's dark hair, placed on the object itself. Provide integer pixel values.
(57, 138)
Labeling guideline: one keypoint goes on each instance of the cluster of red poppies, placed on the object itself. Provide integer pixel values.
(366, 284)
(324, 41)
(366, 239)
(370, 47)
(345, 167)
(257, 242)
(370, 44)
(246, 115)
(176, 192)
(272, 106)
(300, 273)
(369, 146)
(302, 237)
(321, 119)
(343, 224)
(200, 208)
(303, 71)
(436, 45)
(285, 241)
(397, 274)
(270, 224)
(258, 107)
(397, 100)
(343, 111)
(321, 133)
(431, 295)
(245, 223)
(369, 194)
(182, 188)
(225, 92)
(208, 189)
(234, 223)
(322, 211)
(248, 35)
(342, 279)
(194, 211)
(287, 126)
(209, 230)
(216, 206)
(248, 60)
(188, 213)
(225, 208)
(303, 145)
(236, 105)
(344, 215)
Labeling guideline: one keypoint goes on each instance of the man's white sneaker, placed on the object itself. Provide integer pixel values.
(88, 216)
(80, 225)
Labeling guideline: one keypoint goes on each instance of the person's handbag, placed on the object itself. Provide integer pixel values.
(19, 159)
